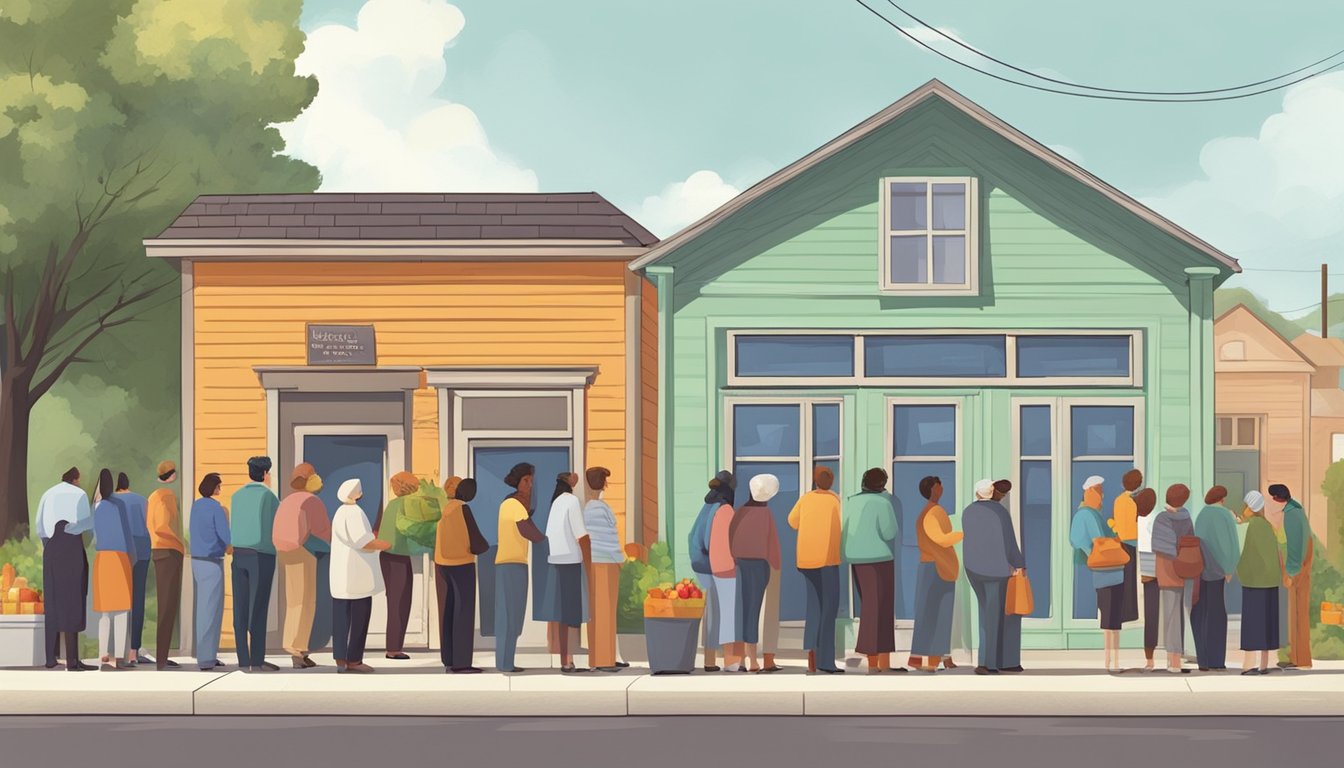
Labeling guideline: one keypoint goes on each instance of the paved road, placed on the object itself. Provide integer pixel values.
(673, 742)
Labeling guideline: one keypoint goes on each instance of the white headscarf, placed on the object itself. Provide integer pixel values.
(1256, 501)
(350, 491)
(764, 487)
(984, 489)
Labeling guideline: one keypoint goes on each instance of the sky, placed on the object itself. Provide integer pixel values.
(670, 108)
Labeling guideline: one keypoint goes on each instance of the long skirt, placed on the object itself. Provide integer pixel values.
(1129, 610)
(753, 577)
(934, 599)
(65, 579)
(877, 610)
(1111, 605)
(725, 601)
(1259, 619)
(456, 588)
(111, 582)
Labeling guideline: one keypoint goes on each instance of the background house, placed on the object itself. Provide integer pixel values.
(934, 292)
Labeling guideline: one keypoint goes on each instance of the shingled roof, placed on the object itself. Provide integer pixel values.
(449, 216)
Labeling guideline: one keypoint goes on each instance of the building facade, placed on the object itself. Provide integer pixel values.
(440, 334)
(935, 293)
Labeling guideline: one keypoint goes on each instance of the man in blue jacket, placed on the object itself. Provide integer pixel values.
(990, 554)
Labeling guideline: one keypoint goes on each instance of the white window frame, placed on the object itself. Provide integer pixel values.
(972, 285)
(1236, 444)
(1010, 379)
(1053, 620)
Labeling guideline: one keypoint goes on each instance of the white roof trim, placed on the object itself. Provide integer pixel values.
(863, 129)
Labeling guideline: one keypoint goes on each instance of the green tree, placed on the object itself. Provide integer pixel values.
(114, 114)
(1227, 298)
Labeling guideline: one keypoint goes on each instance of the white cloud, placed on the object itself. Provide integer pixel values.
(376, 125)
(1274, 200)
(684, 202)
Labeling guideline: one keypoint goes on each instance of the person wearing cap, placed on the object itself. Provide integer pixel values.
(754, 543)
(991, 554)
(167, 551)
(300, 517)
(1173, 523)
(936, 581)
(1260, 570)
(868, 528)
(251, 522)
(355, 578)
(816, 517)
(1217, 531)
(718, 582)
(1125, 522)
(1299, 551)
(458, 541)
(1089, 524)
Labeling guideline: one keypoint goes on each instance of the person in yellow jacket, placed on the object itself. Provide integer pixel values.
(816, 517)
(1125, 523)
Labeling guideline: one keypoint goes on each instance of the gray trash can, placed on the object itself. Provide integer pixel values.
(672, 644)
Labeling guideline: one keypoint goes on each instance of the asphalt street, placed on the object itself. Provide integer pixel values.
(674, 742)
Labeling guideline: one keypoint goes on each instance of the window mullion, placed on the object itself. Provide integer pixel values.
(928, 237)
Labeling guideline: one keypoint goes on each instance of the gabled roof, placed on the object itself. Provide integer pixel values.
(931, 89)
(1323, 353)
(406, 217)
(1277, 353)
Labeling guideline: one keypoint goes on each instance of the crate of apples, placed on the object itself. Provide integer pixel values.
(16, 597)
(684, 600)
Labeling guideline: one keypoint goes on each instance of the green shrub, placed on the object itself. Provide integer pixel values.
(637, 578)
(24, 552)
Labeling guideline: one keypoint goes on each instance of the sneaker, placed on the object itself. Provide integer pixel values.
(145, 657)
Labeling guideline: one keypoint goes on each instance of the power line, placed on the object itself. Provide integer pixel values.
(1084, 86)
(1098, 96)
(1293, 271)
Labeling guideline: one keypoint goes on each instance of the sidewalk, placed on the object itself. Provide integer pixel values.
(1057, 684)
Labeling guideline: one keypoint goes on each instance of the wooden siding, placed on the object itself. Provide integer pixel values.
(1282, 401)
(426, 314)
(648, 371)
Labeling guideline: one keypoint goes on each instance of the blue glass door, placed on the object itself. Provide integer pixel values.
(490, 465)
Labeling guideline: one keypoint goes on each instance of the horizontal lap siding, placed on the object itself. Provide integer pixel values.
(648, 368)
(1281, 398)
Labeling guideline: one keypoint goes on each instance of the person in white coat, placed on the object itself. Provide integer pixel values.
(355, 578)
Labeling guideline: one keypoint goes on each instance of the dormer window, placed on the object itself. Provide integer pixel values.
(928, 236)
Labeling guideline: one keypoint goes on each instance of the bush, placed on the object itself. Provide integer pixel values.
(637, 578)
(1327, 585)
(24, 552)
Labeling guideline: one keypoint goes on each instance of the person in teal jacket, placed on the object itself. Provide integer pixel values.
(251, 520)
(868, 529)
(1217, 531)
(1297, 571)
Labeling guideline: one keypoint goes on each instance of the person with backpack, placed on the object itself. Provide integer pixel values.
(1179, 561)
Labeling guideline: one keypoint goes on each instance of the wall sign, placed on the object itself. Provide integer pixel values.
(341, 345)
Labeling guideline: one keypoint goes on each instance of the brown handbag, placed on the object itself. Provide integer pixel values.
(1019, 601)
(1107, 554)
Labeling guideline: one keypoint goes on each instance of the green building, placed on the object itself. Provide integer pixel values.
(935, 292)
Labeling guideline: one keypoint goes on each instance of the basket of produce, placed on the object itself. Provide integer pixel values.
(672, 614)
(16, 597)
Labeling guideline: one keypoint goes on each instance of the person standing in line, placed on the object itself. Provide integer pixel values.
(935, 585)
(1217, 532)
(1172, 524)
(517, 532)
(251, 525)
(167, 551)
(63, 515)
(137, 508)
(726, 583)
(816, 517)
(354, 578)
(570, 552)
(112, 581)
(991, 554)
(1260, 571)
(754, 542)
(769, 629)
(395, 559)
(1125, 522)
(718, 617)
(1089, 524)
(210, 541)
(1299, 554)
(604, 575)
(867, 529)
(457, 542)
(1011, 655)
(300, 518)
(1146, 501)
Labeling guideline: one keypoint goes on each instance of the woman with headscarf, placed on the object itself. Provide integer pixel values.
(516, 533)
(1089, 524)
(711, 558)
(868, 528)
(1145, 501)
(394, 561)
(355, 578)
(115, 549)
(1173, 524)
(1260, 571)
(604, 574)
(457, 544)
(754, 543)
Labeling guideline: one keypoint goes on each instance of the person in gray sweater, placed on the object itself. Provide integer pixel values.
(990, 554)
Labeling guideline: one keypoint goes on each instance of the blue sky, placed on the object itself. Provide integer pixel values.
(669, 108)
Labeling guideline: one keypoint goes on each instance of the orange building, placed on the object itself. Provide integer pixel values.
(444, 334)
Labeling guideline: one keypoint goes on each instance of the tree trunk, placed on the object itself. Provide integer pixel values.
(15, 412)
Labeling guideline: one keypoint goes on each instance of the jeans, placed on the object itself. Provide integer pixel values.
(510, 610)
(253, 574)
(350, 628)
(208, 576)
(139, 575)
(990, 594)
(823, 607)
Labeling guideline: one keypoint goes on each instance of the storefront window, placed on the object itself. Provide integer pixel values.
(1035, 497)
(924, 442)
(1102, 357)
(1102, 443)
(975, 356)
(770, 356)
